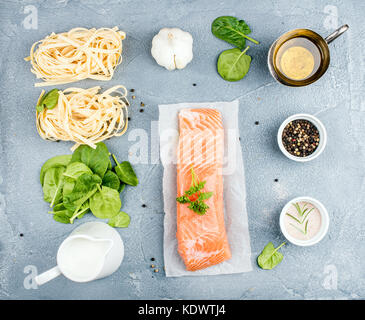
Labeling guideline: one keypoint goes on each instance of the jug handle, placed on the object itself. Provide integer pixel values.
(336, 33)
(47, 276)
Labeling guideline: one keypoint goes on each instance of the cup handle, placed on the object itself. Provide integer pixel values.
(336, 33)
(47, 276)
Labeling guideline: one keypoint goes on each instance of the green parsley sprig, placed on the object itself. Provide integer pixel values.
(198, 205)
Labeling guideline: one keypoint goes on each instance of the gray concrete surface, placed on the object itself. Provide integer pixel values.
(332, 269)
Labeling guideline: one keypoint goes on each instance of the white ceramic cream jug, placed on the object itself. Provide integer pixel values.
(93, 250)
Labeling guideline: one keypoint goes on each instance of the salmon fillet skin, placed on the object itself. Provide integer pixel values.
(202, 239)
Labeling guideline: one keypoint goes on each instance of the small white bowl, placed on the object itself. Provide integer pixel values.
(322, 136)
(325, 220)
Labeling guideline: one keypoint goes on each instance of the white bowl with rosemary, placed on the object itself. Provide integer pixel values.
(304, 221)
(302, 137)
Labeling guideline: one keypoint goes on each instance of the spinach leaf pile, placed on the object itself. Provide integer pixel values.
(86, 181)
(233, 64)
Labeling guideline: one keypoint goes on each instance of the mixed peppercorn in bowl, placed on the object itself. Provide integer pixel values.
(302, 137)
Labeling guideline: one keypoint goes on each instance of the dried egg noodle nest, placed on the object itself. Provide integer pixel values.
(85, 116)
(76, 55)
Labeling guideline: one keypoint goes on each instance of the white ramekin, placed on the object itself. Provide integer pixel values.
(325, 220)
(322, 136)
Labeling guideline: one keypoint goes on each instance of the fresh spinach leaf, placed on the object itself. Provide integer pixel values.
(75, 200)
(68, 185)
(96, 159)
(84, 209)
(111, 180)
(85, 187)
(59, 207)
(80, 211)
(67, 216)
(76, 169)
(121, 220)
(57, 161)
(125, 172)
(121, 187)
(52, 185)
(232, 30)
(62, 216)
(49, 100)
(61, 213)
(270, 257)
(233, 64)
(105, 203)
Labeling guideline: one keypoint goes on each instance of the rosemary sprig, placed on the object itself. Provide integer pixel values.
(297, 206)
(198, 205)
(306, 227)
(307, 214)
(301, 212)
(304, 232)
(291, 216)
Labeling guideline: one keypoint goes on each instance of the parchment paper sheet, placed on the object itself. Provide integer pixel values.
(234, 191)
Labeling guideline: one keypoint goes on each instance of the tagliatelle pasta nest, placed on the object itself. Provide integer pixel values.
(85, 116)
(76, 55)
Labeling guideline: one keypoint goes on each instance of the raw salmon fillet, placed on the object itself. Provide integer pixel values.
(202, 239)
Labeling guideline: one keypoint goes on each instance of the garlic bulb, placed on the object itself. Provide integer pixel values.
(172, 48)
